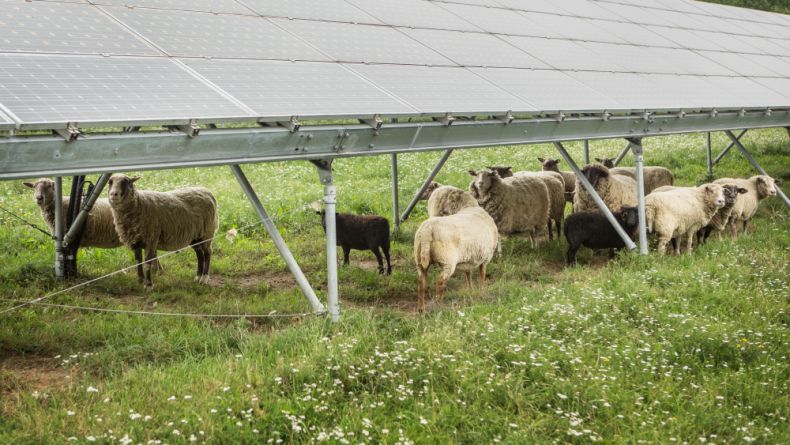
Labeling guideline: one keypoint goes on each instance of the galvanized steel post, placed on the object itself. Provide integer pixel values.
(279, 243)
(59, 220)
(330, 198)
(425, 184)
(709, 155)
(622, 154)
(636, 148)
(79, 221)
(586, 151)
(601, 205)
(395, 199)
(756, 165)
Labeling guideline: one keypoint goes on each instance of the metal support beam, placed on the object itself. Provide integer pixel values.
(788, 131)
(395, 199)
(586, 151)
(587, 186)
(324, 167)
(79, 221)
(756, 165)
(727, 149)
(636, 148)
(279, 243)
(59, 220)
(708, 155)
(622, 154)
(436, 169)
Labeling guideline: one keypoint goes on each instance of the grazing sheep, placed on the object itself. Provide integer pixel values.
(722, 216)
(615, 190)
(517, 204)
(429, 190)
(466, 240)
(551, 165)
(150, 221)
(362, 232)
(655, 177)
(593, 230)
(758, 188)
(98, 231)
(448, 200)
(681, 212)
(556, 186)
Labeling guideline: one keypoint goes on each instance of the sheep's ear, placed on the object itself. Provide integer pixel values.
(472, 173)
(29, 185)
(557, 161)
(599, 160)
(510, 170)
(541, 160)
(133, 179)
(742, 190)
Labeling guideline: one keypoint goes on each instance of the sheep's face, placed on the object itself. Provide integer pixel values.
(766, 186)
(731, 193)
(550, 165)
(484, 180)
(606, 162)
(43, 192)
(119, 187)
(503, 171)
(596, 174)
(427, 193)
(629, 216)
(714, 194)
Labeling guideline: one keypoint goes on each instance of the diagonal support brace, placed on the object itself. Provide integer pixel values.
(436, 169)
(756, 165)
(727, 149)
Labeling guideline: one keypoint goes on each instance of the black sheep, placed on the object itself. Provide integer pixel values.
(593, 230)
(362, 232)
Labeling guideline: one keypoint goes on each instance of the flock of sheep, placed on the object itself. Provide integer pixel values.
(464, 226)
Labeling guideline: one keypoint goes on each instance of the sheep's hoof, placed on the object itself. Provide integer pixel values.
(149, 287)
(204, 279)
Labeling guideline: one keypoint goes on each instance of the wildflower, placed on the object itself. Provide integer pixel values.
(69, 413)
(92, 389)
(423, 421)
(562, 396)
(90, 438)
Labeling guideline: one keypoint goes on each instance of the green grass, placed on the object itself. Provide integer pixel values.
(663, 350)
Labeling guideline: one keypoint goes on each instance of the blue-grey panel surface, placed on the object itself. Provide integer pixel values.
(60, 89)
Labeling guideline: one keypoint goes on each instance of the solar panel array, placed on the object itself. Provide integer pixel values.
(162, 61)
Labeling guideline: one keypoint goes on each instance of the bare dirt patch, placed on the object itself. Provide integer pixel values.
(34, 375)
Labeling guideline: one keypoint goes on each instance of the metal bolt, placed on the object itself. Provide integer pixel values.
(371, 146)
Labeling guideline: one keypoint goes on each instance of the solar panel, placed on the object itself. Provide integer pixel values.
(781, 86)
(728, 42)
(547, 6)
(738, 63)
(64, 89)
(635, 34)
(496, 20)
(685, 38)
(215, 6)
(198, 34)
(274, 88)
(333, 10)
(562, 54)
(571, 28)
(475, 49)
(744, 92)
(632, 91)
(695, 91)
(586, 8)
(49, 27)
(415, 13)
(363, 43)
(443, 89)
(656, 60)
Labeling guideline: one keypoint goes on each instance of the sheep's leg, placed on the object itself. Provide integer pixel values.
(551, 236)
(482, 277)
(572, 254)
(206, 262)
(150, 255)
(558, 223)
(690, 240)
(200, 259)
(346, 252)
(662, 245)
(138, 258)
(423, 276)
(733, 229)
(376, 252)
(745, 226)
(447, 272)
(386, 249)
(468, 274)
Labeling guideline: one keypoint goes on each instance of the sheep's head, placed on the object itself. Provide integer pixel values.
(606, 162)
(43, 192)
(596, 174)
(427, 193)
(550, 165)
(504, 171)
(628, 216)
(766, 186)
(484, 180)
(714, 194)
(120, 187)
(731, 193)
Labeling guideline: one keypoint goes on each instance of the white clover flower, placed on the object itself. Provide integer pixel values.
(69, 413)
(92, 389)
(90, 438)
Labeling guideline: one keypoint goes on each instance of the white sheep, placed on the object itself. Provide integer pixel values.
(151, 221)
(517, 204)
(655, 177)
(552, 165)
(679, 213)
(757, 188)
(98, 231)
(466, 240)
(615, 190)
(447, 200)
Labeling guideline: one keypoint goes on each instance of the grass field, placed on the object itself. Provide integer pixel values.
(664, 350)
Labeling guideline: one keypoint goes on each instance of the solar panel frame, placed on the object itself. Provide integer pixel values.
(330, 10)
(571, 27)
(413, 13)
(738, 63)
(562, 54)
(498, 20)
(212, 6)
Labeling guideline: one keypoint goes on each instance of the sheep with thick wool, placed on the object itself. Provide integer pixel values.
(517, 204)
(615, 190)
(722, 216)
(448, 200)
(552, 165)
(757, 188)
(151, 221)
(679, 213)
(99, 229)
(466, 240)
(556, 186)
(655, 177)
